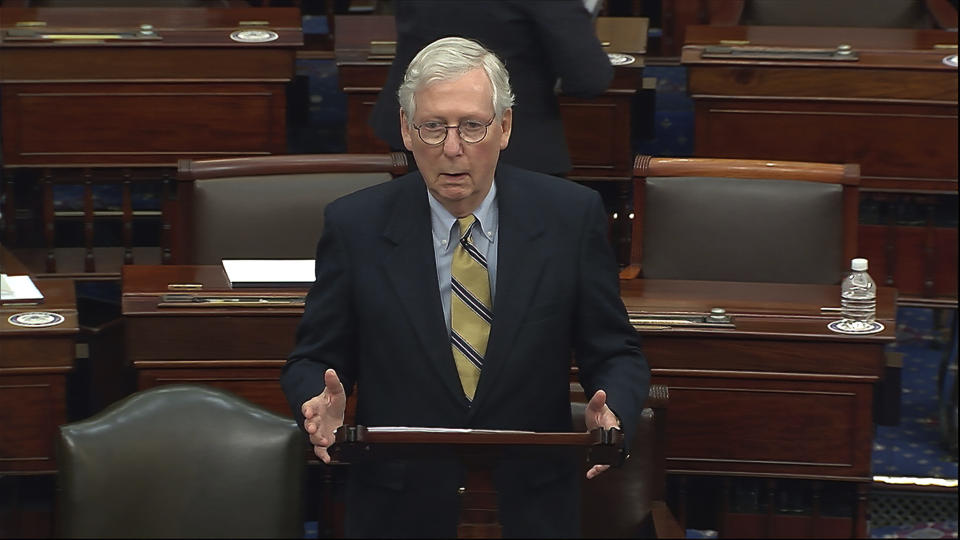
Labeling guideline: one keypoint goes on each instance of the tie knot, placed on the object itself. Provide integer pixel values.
(465, 223)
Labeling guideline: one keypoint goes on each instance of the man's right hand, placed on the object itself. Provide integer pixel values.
(323, 414)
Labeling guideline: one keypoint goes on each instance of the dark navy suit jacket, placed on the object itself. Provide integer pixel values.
(375, 316)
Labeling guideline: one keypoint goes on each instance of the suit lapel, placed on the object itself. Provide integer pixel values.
(520, 261)
(412, 272)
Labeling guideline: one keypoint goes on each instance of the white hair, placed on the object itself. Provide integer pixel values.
(447, 59)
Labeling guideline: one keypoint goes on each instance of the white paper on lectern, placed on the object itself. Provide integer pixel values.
(19, 288)
(268, 272)
(407, 429)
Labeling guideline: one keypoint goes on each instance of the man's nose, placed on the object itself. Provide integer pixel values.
(452, 145)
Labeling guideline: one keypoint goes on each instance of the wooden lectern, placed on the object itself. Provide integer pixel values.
(477, 449)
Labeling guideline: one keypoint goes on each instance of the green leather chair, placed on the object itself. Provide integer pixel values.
(181, 461)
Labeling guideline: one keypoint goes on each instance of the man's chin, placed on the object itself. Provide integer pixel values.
(453, 180)
(455, 194)
(452, 193)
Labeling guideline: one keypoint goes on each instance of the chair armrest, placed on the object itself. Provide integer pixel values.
(631, 271)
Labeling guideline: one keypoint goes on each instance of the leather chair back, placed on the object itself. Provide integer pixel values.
(267, 207)
(733, 229)
(181, 461)
(747, 220)
(270, 217)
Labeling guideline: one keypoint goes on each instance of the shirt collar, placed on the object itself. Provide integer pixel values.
(442, 220)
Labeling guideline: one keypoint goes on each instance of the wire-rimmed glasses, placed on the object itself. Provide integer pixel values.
(471, 131)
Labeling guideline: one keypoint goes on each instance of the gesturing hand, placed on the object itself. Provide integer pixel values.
(323, 414)
(597, 414)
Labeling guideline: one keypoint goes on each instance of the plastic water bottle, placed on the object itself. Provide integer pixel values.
(858, 298)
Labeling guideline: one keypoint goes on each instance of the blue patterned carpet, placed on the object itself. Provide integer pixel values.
(913, 448)
(672, 116)
(916, 448)
(932, 529)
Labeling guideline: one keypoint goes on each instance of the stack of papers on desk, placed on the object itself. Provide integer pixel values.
(14, 289)
(269, 272)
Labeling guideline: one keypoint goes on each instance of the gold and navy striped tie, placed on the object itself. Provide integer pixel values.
(470, 308)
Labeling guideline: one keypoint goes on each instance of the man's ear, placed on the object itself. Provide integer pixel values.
(506, 125)
(405, 131)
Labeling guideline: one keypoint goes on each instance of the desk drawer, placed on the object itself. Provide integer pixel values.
(210, 338)
(729, 353)
(258, 381)
(31, 408)
(785, 427)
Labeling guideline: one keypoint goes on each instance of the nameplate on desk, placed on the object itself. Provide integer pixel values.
(651, 321)
(185, 300)
(382, 50)
(841, 53)
(29, 34)
(269, 272)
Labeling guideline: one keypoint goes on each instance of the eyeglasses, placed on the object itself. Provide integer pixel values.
(471, 131)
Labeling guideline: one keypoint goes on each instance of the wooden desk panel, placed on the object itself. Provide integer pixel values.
(841, 111)
(33, 371)
(138, 123)
(190, 92)
(781, 427)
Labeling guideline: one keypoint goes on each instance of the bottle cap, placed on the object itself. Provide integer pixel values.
(858, 265)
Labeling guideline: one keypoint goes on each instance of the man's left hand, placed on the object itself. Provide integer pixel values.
(598, 415)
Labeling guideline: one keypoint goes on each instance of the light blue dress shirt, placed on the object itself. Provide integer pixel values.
(446, 236)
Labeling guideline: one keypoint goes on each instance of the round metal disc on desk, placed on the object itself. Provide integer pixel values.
(872, 328)
(35, 319)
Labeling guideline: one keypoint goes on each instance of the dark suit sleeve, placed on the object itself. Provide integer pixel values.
(326, 334)
(567, 34)
(607, 347)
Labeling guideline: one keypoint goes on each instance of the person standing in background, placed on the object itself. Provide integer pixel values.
(548, 46)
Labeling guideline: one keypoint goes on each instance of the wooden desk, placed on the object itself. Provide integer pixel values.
(238, 349)
(187, 90)
(893, 111)
(777, 396)
(780, 354)
(123, 109)
(832, 111)
(598, 129)
(34, 363)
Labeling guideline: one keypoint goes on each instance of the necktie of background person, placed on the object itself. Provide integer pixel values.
(470, 308)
